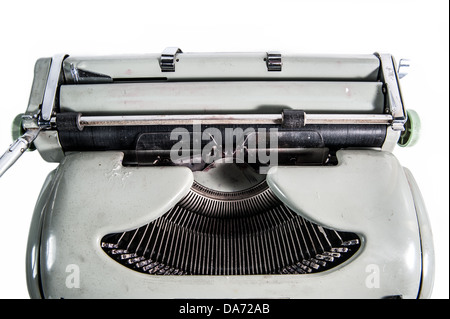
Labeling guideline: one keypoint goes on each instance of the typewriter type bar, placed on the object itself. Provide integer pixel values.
(243, 233)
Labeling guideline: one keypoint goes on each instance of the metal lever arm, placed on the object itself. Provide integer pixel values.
(17, 148)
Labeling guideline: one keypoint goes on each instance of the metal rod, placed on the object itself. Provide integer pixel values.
(17, 148)
(348, 119)
(208, 119)
(179, 119)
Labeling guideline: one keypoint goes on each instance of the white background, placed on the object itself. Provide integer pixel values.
(417, 30)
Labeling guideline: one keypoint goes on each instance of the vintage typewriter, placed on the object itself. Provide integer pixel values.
(223, 175)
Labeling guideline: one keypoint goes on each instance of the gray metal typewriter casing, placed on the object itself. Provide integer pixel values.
(92, 193)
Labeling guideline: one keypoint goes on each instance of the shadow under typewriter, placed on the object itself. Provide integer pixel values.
(248, 231)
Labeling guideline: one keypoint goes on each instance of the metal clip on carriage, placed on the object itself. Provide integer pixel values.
(148, 201)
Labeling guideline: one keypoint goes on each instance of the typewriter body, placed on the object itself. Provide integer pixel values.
(223, 175)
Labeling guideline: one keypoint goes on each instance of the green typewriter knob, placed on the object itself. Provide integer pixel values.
(410, 135)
